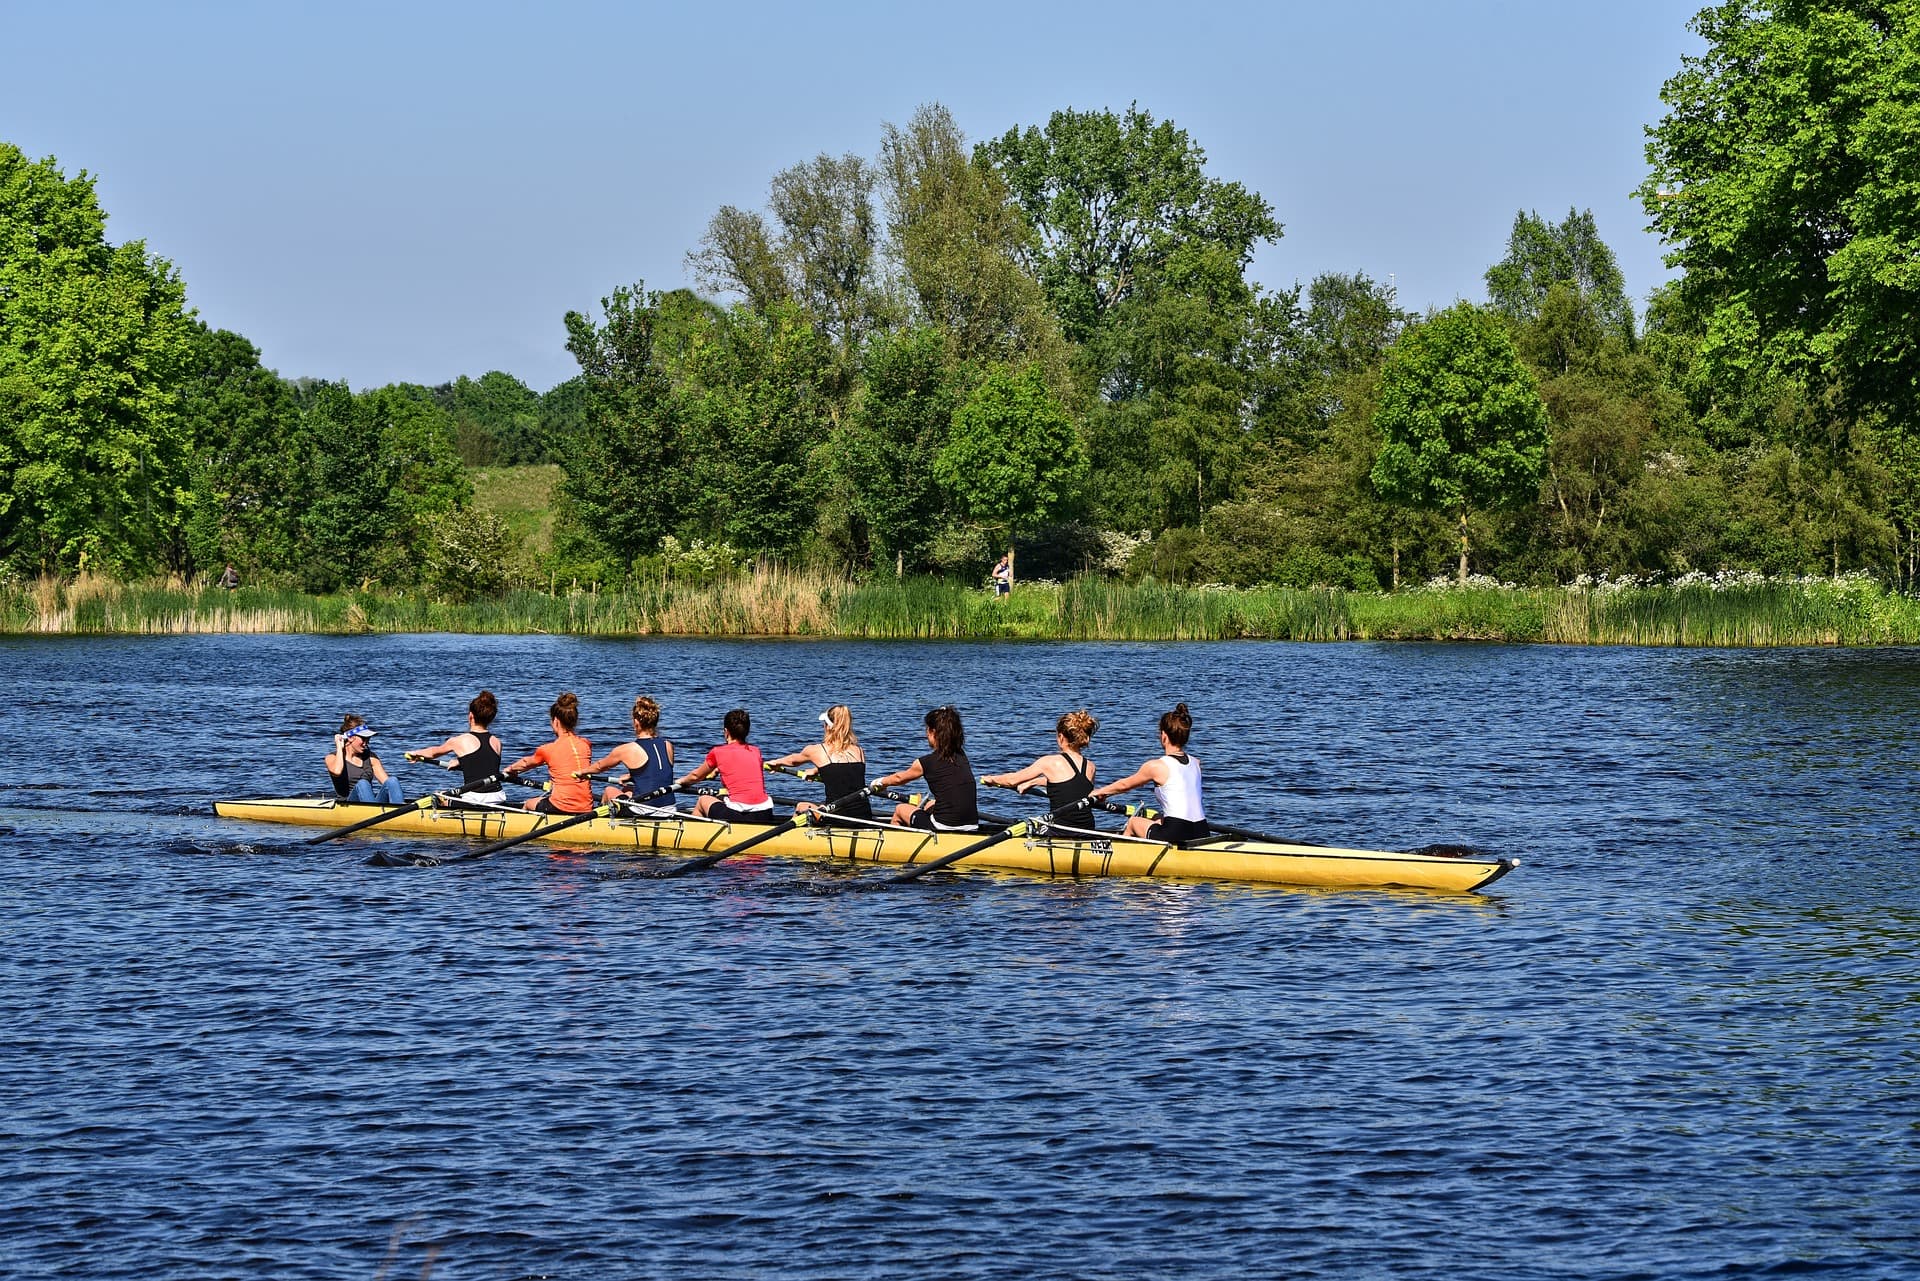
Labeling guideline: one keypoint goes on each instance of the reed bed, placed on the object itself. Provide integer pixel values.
(775, 601)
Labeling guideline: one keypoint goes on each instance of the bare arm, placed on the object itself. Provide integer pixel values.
(1022, 779)
(1153, 771)
(906, 775)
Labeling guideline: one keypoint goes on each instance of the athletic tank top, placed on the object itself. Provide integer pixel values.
(656, 773)
(1179, 796)
(844, 778)
(1074, 790)
(957, 800)
(350, 773)
(480, 770)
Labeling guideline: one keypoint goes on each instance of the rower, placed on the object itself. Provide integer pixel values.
(358, 776)
(1176, 784)
(476, 753)
(1067, 773)
(742, 772)
(648, 760)
(949, 778)
(564, 757)
(839, 763)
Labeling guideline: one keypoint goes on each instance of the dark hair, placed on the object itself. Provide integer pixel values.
(1077, 728)
(646, 713)
(350, 720)
(484, 708)
(948, 736)
(566, 710)
(738, 724)
(1177, 724)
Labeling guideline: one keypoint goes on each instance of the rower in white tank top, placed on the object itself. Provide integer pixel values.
(1176, 782)
(1179, 796)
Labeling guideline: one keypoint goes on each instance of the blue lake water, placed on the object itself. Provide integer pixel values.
(1679, 1041)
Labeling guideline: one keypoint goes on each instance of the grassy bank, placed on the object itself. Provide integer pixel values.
(1742, 611)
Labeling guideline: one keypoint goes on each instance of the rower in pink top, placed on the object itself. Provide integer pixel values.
(742, 772)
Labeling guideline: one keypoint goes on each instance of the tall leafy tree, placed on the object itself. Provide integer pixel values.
(900, 421)
(1013, 460)
(960, 242)
(625, 478)
(248, 453)
(1112, 198)
(1461, 424)
(95, 340)
(1569, 256)
(1786, 182)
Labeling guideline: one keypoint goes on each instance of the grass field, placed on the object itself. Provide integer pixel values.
(773, 601)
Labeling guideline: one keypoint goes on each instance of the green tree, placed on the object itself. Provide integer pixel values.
(95, 340)
(1461, 424)
(960, 242)
(1786, 182)
(496, 419)
(1013, 460)
(248, 454)
(1570, 255)
(900, 420)
(625, 484)
(1112, 198)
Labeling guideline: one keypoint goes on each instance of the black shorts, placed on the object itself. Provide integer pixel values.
(1177, 830)
(728, 814)
(545, 805)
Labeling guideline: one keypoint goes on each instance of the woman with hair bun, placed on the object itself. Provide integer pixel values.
(1176, 785)
(954, 802)
(476, 753)
(1067, 773)
(742, 772)
(567, 755)
(838, 760)
(648, 760)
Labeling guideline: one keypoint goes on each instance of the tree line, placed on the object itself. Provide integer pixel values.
(1050, 337)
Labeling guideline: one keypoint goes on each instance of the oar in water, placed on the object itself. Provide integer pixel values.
(800, 819)
(425, 803)
(948, 860)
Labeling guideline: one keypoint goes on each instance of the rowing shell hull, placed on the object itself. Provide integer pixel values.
(1055, 854)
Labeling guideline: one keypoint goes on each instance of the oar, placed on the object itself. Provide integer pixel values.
(425, 803)
(798, 820)
(948, 860)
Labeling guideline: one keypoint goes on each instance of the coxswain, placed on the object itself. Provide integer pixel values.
(838, 763)
(1176, 785)
(648, 760)
(476, 753)
(1067, 774)
(742, 772)
(358, 776)
(953, 801)
(567, 755)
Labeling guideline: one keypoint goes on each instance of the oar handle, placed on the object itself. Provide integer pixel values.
(794, 771)
(1036, 826)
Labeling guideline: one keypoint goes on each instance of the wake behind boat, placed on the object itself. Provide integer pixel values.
(1046, 849)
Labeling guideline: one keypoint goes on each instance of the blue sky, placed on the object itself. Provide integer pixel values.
(408, 192)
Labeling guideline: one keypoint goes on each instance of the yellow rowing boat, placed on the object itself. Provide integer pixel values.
(1053, 850)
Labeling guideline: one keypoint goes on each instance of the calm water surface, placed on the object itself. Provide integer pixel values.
(1679, 1042)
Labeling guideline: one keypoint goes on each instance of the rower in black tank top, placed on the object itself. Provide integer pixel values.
(951, 783)
(1073, 791)
(480, 769)
(844, 778)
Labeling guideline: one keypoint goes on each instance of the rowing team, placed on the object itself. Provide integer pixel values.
(836, 761)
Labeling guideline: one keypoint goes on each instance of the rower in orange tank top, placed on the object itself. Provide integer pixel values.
(565, 756)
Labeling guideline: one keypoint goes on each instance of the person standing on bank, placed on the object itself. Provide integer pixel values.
(476, 753)
(358, 776)
(1003, 575)
(565, 755)
(954, 803)
(1176, 785)
(230, 577)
